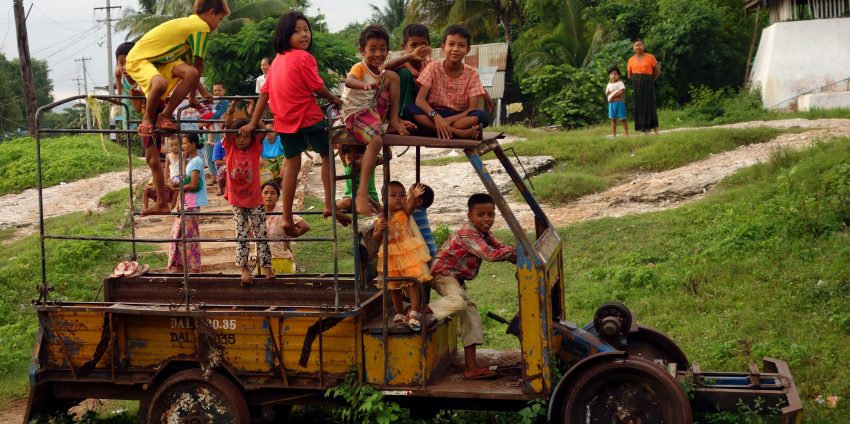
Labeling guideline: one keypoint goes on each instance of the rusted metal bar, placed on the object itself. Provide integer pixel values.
(181, 201)
(62, 346)
(278, 349)
(332, 178)
(322, 352)
(133, 255)
(230, 214)
(44, 290)
(112, 344)
(384, 246)
(198, 240)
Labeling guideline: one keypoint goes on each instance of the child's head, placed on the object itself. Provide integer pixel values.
(265, 64)
(427, 198)
(211, 11)
(191, 143)
(374, 45)
(218, 89)
(271, 193)
(270, 136)
(172, 142)
(293, 31)
(613, 74)
(457, 40)
(241, 142)
(397, 196)
(414, 36)
(121, 55)
(482, 211)
(353, 153)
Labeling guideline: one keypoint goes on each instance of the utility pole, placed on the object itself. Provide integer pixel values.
(26, 66)
(109, 53)
(79, 82)
(86, 88)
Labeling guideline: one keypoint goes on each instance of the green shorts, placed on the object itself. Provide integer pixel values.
(315, 136)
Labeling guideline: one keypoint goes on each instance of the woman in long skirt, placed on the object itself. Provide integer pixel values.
(643, 70)
(194, 196)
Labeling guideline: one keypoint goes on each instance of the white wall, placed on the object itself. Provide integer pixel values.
(795, 57)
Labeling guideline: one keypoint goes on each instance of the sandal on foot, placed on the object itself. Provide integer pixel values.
(481, 374)
(413, 321)
(399, 319)
(144, 130)
(166, 124)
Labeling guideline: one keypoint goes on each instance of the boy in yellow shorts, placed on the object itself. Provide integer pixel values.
(159, 63)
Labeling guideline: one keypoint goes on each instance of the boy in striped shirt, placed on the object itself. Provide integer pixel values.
(160, 64)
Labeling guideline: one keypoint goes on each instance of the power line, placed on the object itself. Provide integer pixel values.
(51, 19)
(63, 45)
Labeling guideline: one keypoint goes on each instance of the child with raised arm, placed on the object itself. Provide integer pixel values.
(449, 91)
(407, 253)
(291, 83)
(159, 63)
(369, 93)
(416, 44)
(457, 262)
(615, 91)
(244, 194)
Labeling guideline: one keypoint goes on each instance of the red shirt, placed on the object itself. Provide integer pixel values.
(292, 79)
(462, 253)
(243, 172)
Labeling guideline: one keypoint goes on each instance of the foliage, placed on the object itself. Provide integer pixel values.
(622, 19)
(570, 96)
(89, 417)
(63, 159)
(364, 404)
(535, 412)
(12, 109)
(391, 17)
(484, 18)
(441, 234)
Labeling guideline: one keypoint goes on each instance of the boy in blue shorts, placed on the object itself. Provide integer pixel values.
(616, 93)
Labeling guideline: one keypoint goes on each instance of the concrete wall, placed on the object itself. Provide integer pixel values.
(795, 57)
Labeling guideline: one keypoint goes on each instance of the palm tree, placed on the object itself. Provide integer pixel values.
(392, 15)
(155, 12)
(482, 17)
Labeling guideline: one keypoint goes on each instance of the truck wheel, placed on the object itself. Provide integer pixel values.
(188, 397)
(621, 391)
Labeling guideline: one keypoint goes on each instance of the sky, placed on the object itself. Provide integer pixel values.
(62, 31)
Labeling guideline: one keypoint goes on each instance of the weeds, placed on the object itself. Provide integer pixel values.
(364, 404)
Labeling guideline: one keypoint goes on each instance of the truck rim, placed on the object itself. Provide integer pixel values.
(189, 398)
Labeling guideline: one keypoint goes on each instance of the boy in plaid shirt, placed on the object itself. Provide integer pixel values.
(458, 261)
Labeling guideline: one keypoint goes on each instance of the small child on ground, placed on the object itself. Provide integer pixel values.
(172, 160)
(220, 167)
(449, 91)
(407, 253)
(194, 196)
(351, 159)
(616, 93)
(292, 81)
(416, 44)
(245, 195)
(369, 93)
(457, 262)
(159, 64)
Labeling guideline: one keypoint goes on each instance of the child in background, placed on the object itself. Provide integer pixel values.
(218, 110)
(265, 64)
(369, 92)
(194, 196)
(245, 195)
(449, 91)
(352, 155)
(416, 44)
(458, 262)
(283, 260)
(173, 167)
(158, 63)
(291, 84)
(124, 84)
(220, 167)
(420, 215)
(271, 160)
(616, 93)
(407, 253)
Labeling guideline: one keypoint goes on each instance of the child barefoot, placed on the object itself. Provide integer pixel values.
(292, 81)
(245, 195)
(352, 156)
(194, 196)
(616, 93)
(368, 93)
(408, 255)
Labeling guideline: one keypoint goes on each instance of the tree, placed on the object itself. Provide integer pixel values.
(392, 18)
(12, 108)
(484, 18)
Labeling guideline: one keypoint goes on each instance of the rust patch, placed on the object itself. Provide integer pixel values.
(320, 326)
(210, 353)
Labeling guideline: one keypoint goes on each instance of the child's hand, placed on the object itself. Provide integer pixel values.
(442, 127)
(408, 125)
(337, 101)
(380, 224)
(416, 190)
(247, 130)
(421, 53)
(398, 127)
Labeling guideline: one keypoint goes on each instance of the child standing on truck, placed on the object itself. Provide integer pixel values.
(457, 262)
(159, 64)
(194, 196)
(407, 253)
(616, 93)
(244, 194)
(292, 81)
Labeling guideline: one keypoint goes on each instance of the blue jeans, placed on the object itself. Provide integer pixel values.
(411, 109)
(208, 155)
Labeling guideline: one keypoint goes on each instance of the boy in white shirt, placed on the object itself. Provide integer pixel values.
(616, 93)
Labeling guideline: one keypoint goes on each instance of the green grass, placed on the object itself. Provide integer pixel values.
(63, 159)
(587, 163)
(758, 268)
(75, 269)
(681, 118)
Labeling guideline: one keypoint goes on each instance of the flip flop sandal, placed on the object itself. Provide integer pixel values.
(481, 374)
(119, 269)
(413, 321)
(399, 319)
(165, 124)
(141, 270)
(145, 130)
(132, 267)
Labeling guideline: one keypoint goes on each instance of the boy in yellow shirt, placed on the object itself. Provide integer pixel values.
(159, 63)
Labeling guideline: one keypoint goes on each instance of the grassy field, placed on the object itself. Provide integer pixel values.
(63, 159)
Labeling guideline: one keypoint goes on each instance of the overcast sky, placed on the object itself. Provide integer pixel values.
(61, 31)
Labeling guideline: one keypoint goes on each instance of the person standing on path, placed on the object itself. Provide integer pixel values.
(643, 70)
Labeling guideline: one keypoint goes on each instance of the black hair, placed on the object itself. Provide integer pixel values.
(285, 28)
(479, 199)
(218, 83)
(123, 49)
(217, 6)
(415, 30)
(637, 39)
(458, 30)
(274, 185)
(239, 123)
(374, 31)
(267, 59)
(353, 148)
(427, 196)
(614, 68)
(193, 138)
(396, 183)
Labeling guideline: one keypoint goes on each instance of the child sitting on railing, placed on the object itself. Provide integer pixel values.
(407, 254)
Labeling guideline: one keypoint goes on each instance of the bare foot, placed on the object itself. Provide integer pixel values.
(157, 209)
(468, 133)
(247, 279)
(269, 272)
(364, 205)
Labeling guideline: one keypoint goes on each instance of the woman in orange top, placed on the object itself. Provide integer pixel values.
(643, 70)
